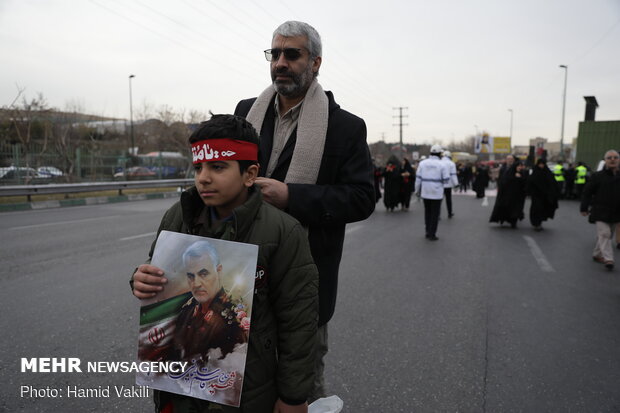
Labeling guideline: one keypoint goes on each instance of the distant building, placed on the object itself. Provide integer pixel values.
(552, 149)
(104, 126)
(521, 151)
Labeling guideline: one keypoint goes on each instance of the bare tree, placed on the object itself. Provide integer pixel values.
(195, 116)
(466, 145)
(167, 115)
(30, 120)
(144, 112)
(67, 137)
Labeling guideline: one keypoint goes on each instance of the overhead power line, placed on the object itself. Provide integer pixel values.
(184, 45)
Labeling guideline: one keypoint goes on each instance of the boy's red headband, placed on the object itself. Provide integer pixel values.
(211, 150)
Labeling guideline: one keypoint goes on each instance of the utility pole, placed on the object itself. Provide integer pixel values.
(401, 124)
(511, 115)
(563, 112)
(133, 143)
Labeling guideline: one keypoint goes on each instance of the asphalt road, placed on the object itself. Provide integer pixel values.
(487, 319)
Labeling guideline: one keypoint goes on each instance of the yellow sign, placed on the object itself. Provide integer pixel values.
(501, 145)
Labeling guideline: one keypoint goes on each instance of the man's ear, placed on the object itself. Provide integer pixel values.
(250, 175)
(316, 64)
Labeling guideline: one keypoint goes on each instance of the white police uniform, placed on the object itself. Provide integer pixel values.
(430, 178)
(454, 180)
(429, 181)
(451, 182)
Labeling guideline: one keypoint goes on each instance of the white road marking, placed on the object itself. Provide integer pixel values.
(48, 224)
(538, 254)
(149, 234)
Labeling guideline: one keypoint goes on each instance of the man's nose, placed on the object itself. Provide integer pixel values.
(281, 61)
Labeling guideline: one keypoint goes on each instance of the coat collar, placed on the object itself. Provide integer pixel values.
(242, 218)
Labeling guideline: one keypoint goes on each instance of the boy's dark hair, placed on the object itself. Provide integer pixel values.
(227, 126)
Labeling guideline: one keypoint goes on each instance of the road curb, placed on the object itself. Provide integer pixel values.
(27, 206)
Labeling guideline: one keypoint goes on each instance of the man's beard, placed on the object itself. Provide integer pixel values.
(299, 82)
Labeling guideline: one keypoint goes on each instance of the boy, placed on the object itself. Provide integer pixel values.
(226, 204)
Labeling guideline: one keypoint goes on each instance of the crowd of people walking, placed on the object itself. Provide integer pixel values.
(435, 178)
(397, 179)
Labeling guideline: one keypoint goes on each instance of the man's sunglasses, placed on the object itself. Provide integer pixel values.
(290, 53)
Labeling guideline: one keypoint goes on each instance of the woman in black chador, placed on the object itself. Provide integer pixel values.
(541, 186)
(481, 180)
(406, 184)
(510, 196)
(391, 183)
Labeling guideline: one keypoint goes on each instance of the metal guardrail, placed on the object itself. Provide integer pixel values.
(29, 190)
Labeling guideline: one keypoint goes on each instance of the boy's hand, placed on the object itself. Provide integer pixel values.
(274, 192)
(282, 407)
(148, 280)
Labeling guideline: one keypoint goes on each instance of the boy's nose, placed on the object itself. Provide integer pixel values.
(204, 175)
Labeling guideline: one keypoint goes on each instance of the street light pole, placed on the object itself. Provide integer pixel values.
(563, 112)
(131, 116)
(511, 113)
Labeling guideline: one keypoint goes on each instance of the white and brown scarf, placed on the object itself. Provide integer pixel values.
(311, 132)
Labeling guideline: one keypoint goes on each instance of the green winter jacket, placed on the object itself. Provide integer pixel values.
(281, 350)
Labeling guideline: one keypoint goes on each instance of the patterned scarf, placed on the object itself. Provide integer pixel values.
(311, 132)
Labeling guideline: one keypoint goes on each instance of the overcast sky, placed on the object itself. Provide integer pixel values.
(455, 65)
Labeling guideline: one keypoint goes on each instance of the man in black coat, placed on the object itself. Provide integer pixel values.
(601, 200)
(314, 159)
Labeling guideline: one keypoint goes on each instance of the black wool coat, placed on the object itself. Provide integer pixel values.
(601, 196)
(510, 197)
(344, 191)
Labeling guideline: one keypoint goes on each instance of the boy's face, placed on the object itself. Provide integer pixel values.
(221, 185)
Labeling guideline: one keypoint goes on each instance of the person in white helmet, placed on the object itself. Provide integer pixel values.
(430, 178)
(446, 158)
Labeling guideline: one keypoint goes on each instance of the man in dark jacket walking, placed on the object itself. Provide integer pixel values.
(601, 199)
(314, 159)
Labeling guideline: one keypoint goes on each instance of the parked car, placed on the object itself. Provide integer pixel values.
(49, 172)
(136, 172)
(16, 175)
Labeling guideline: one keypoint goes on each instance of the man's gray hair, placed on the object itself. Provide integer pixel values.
(198, 250)
(294, 28)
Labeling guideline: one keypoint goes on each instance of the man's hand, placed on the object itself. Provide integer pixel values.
(282, 407)
(148, 280)
(274, 192)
